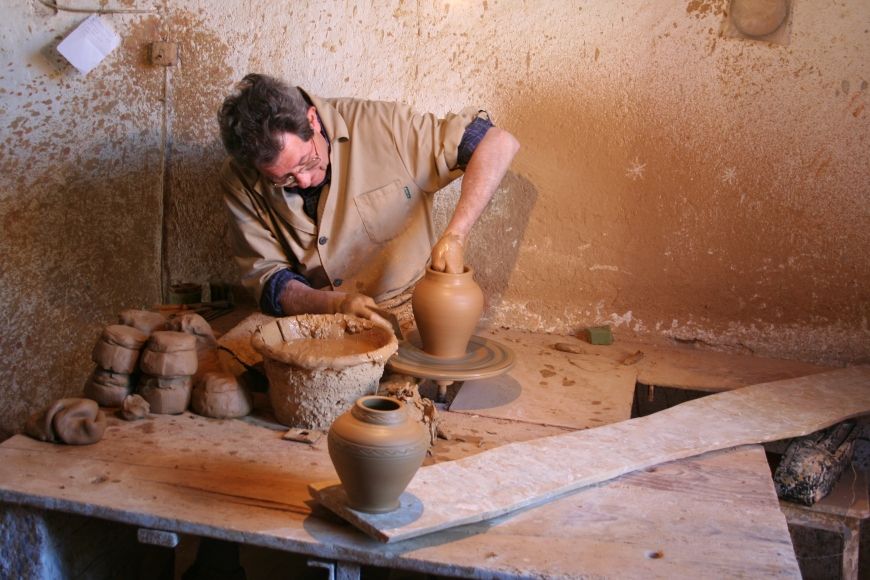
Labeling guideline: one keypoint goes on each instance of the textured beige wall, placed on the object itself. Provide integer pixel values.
(80, 201)
(671, 180)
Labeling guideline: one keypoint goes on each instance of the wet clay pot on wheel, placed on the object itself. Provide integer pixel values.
(376, 449)
(447, 308)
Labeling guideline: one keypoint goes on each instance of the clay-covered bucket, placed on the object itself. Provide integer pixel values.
(318, 365)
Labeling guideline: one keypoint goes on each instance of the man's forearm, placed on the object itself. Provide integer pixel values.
(484, 172)
(297, 298)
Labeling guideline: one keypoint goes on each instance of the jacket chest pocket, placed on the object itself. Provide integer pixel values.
(386, 212)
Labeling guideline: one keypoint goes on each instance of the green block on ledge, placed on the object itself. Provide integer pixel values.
(599, 335)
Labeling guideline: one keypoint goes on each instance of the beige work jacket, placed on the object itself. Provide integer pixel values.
(374, 231)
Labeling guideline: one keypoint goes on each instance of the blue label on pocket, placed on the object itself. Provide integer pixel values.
(407, 192)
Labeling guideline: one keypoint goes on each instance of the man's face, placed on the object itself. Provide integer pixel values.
(300, 163)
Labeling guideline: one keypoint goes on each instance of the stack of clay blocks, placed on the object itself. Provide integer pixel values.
(168, 364)
(116, 355)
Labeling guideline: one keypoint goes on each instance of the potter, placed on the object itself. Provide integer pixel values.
(331, 199)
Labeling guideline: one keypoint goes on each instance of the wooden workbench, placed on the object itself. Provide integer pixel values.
(716, 515)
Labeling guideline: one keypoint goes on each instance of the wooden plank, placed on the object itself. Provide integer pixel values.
(704, 517)
(526, 474)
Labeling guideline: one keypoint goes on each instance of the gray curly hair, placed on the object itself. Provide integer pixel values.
(253, 119)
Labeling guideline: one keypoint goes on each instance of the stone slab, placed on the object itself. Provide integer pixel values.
(526, 474)
(694, 365)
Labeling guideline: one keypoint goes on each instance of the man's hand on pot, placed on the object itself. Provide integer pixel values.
(448, 255)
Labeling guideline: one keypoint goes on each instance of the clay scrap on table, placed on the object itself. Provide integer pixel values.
(73, 421)
(134, 408)
(520, 475)
(407, 389)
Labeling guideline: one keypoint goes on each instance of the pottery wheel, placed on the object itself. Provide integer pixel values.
(484, 358)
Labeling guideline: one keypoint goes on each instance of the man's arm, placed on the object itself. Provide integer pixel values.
(484, 172)
(298, 298)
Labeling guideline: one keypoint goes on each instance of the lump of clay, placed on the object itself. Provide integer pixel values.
(220, 395)
(407, 389)
(166, 395)
(134, 408)
(208, 359)
(72, 421)
(197, 326)
(144, 320)
(169, 354)
(118, 348)
(107, 388)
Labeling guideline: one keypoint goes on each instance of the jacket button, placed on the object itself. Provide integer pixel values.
(322, 241)
(338, 282)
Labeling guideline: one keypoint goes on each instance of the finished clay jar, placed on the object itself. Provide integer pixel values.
(447, 308)
(376, 449)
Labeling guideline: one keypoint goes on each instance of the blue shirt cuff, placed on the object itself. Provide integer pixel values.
(472, 137)
(269, 303)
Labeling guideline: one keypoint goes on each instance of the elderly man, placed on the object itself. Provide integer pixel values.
(331, 199)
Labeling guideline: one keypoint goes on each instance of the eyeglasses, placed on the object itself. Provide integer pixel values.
(290, 179)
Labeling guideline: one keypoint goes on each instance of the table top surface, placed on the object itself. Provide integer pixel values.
(240, 482)
(713, 515)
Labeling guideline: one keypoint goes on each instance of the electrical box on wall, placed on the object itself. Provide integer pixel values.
(164, 53)
(765, 20)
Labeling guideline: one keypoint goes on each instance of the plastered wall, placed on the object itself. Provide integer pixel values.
(672, 180)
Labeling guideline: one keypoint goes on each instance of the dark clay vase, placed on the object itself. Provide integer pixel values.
(376, 449)
(447, 308)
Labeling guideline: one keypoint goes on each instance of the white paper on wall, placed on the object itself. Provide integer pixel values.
(89, 44)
